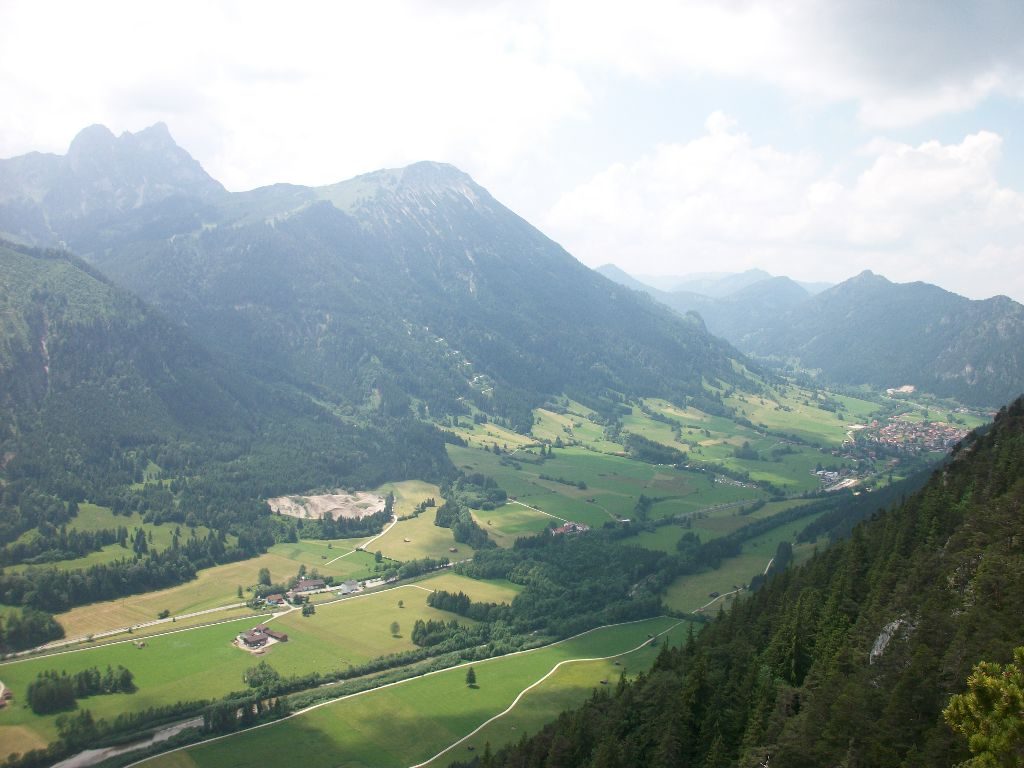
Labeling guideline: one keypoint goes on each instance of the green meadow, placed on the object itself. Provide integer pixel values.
(386, 727)
(688, 593)
(613, 485)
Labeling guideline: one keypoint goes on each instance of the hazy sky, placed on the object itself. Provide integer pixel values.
(814, 139)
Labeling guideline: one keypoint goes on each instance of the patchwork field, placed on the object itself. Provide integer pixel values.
(186, 665)
(613, 484)
(386, 727)
(217, 586)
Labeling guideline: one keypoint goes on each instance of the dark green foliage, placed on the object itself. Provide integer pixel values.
(461, 604)
(746, 452)
(54, 691)
(642, 449)
(261, 676)
(27, 628)
(847, 660)
(453, 515)
(572, 583)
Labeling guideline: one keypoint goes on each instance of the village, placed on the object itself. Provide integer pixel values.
(915, 436)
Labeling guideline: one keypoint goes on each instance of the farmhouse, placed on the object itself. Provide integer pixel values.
(260, 635)
(570, 527)
(275, 599)
(348, 587)
(308, 585)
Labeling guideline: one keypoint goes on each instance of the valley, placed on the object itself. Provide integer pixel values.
(574, 468)
(293, 461)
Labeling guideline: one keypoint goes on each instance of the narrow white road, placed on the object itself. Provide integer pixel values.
(539, 510)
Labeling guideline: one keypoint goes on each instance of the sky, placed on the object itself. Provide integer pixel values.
(809, 139)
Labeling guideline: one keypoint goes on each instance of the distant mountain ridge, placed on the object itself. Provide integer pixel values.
(868, 330)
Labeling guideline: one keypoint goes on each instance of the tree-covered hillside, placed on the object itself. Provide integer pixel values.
(868, 330)
(95, 387)
(412, 287)
(848, 660)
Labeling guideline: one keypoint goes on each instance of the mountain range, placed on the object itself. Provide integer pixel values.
(361, 310)
(868, 330)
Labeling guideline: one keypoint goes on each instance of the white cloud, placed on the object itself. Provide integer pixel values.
(312, 94)
(932, 212)
(319, 91)
(899, 63)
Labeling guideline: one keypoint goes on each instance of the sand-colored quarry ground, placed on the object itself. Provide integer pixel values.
(337, 505)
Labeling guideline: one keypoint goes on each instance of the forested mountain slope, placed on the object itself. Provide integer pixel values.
(868, 330)
(848, 660)
(94, 385)
(397, 291)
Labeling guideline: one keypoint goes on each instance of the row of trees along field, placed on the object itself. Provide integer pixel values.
(850, 659)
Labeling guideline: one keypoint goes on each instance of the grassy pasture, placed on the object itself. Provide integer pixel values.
(688, 593)
(409, 493)
(569, 687)
(486, 435)
(387, 726)
(424, 540)
(202, 663)
(486, 591)
(19, 739)
(793, 410)
(613, 483)
(510, 521)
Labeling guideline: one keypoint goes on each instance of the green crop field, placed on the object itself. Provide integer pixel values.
(183, 665)
(479, 590)
(613, 486)
(409, 722)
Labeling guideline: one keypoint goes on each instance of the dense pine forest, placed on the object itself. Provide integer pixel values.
(848, 660)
